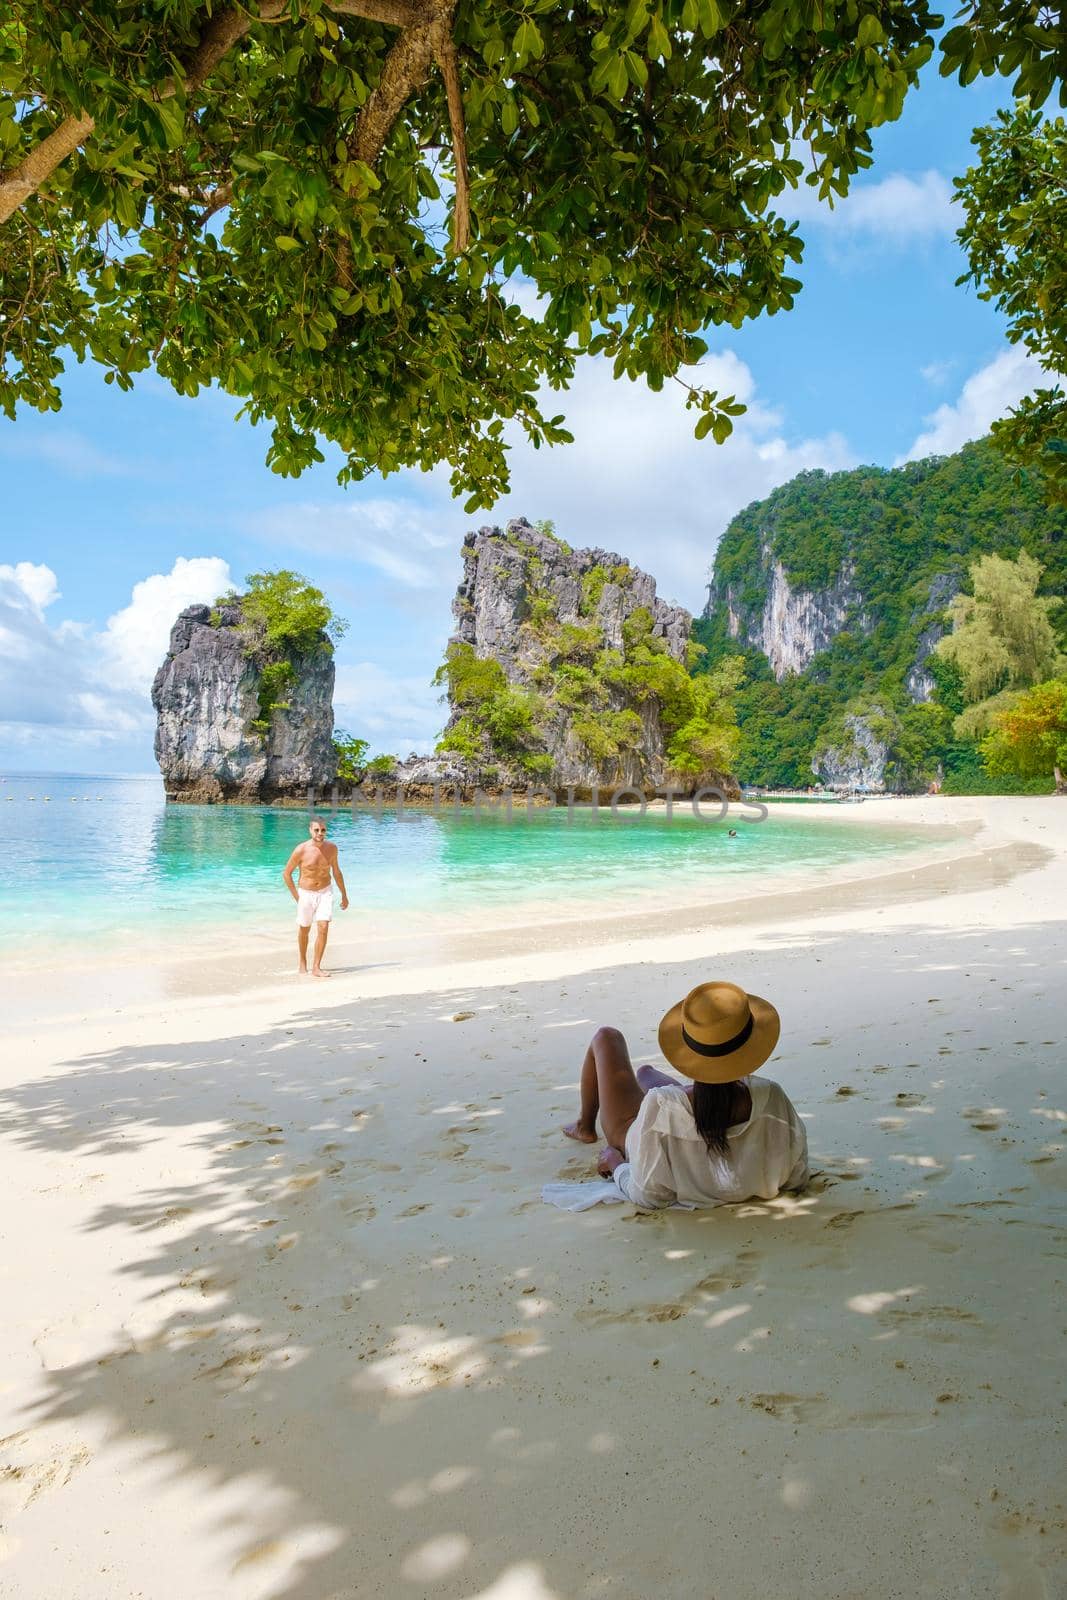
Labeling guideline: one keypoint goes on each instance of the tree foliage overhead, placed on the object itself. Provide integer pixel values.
(1015, 200)
(318, 204)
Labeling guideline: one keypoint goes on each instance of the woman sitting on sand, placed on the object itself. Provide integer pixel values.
(725, 1138)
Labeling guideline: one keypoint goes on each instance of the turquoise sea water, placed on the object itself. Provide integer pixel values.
(100, 857)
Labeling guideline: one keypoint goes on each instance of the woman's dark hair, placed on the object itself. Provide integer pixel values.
(713, 1105)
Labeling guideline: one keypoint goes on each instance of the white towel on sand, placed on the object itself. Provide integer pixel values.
(580, 1196)
(589, 1192)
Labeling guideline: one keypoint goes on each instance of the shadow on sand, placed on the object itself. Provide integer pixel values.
(343, 1314)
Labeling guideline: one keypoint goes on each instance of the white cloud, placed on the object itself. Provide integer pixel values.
(396, 714)
(987, 394)
(937, 373)
(135, 639)
(33, 581)
(898, 209)
(636, 480)
(93, 686)
(397, 537)
(67, 450)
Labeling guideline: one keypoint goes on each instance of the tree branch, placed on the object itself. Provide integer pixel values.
(17, 185)
(394, 13)
(216, 201)
(406, 68)
(461, 209)
(221, 33)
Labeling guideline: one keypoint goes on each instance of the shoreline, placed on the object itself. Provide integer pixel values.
(968, 849)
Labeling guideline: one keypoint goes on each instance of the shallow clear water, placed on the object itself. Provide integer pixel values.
(102, 855)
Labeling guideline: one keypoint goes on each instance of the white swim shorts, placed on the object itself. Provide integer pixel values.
(314, 905)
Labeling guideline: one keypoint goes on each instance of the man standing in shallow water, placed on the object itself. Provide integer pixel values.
(315, 860)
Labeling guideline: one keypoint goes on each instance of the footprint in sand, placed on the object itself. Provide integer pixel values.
(23, 1479)
(268, 1550)
(575, 1169)
(238, 1369)
(359, 1209)
(843, 1219)
(939, 1323)
(931, 1231)
(1028, 1547)
(985, 1119)
(790, 1407)
(698, 1297)
(300, 1185)
(284, 1241)
(518, 1338)
(413, 1211)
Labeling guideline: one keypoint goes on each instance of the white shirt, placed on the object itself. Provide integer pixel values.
(667, 1159)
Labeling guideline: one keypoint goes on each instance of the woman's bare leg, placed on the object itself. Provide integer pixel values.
(609, 1087)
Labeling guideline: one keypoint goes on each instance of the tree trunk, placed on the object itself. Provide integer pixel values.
(1061, 781)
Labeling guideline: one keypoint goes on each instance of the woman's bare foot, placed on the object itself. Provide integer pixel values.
(575, 1130)
(317, 972)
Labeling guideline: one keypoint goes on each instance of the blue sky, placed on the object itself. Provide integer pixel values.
(122, 508)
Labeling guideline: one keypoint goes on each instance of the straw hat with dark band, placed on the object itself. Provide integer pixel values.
(719, 1033)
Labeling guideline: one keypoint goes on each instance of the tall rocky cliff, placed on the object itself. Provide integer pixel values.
(792, 625)
(836, 586)
(207, 701)
(566, 628)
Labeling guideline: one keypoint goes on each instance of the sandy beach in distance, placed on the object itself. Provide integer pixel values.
(285, 1317)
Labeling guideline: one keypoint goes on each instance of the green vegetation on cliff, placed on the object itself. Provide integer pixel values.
(906, 538)
(572, 684)
(283, 617)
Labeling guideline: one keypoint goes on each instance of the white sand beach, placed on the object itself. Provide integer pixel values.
(285, 1317)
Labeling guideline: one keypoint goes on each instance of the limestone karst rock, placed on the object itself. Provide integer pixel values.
(857, 759)
(790, 624)
(533, 604)
(206, 698)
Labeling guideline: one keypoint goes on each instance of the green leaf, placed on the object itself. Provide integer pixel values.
(285, 241)
(659, 43)
(172, 120)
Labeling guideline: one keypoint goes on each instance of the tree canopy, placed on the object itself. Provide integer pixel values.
(1030, 738)
(1014, 199)
(1002, 639)
(319, 205)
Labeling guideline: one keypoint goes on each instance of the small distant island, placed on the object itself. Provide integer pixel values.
(244, 698)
